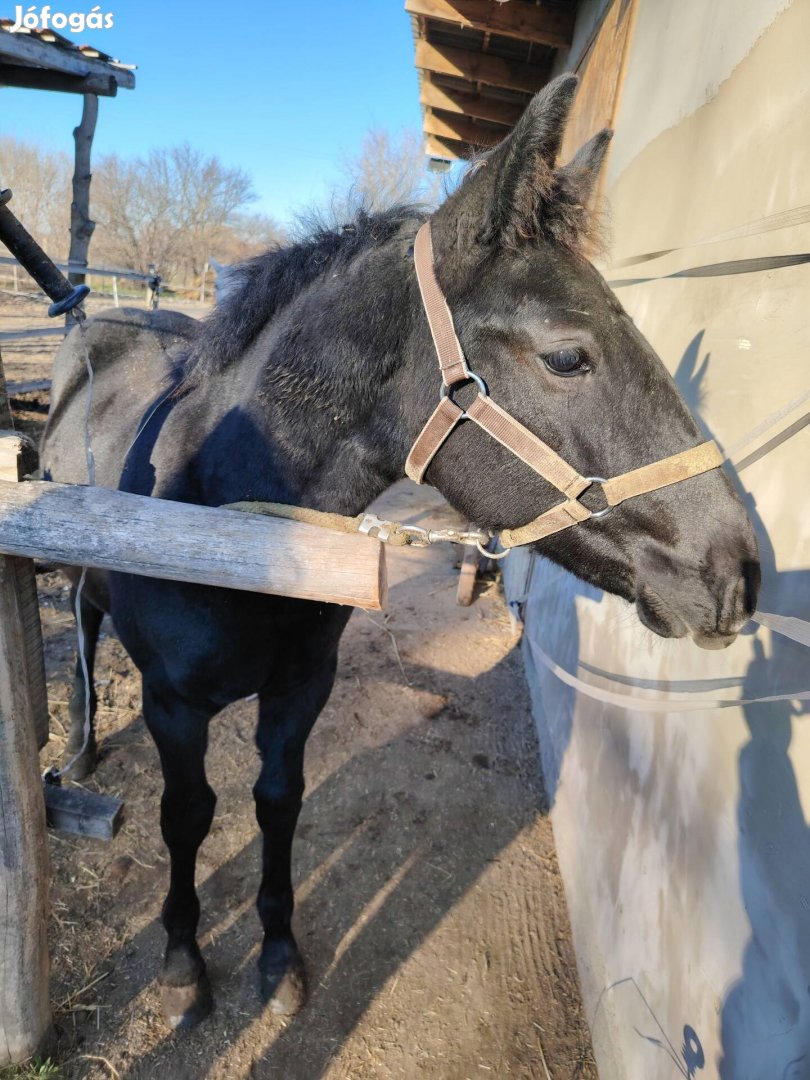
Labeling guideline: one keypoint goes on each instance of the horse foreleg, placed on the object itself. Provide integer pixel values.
(81, 742)
(285, 721)
(186, 811)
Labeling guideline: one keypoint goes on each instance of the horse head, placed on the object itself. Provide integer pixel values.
(548, 341)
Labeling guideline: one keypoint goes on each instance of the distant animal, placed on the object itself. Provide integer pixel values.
(308, 384)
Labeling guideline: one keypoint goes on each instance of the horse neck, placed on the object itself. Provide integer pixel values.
(313, 407)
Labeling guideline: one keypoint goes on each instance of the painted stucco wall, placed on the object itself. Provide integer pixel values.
(683, 835)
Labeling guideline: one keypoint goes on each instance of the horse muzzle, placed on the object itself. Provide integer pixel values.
(710, 601)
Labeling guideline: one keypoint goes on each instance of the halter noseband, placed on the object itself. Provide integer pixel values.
(515, 437)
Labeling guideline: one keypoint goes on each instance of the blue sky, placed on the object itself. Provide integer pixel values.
(282, 89)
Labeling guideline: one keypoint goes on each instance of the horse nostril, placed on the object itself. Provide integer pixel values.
(751, 576)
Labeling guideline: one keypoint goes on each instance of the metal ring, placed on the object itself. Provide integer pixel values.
(447, 391)
(492, 554)
(598, 480)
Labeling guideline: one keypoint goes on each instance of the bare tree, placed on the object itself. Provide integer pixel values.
(40, 181)
(391, 169)
(171, 209)
(246, 235)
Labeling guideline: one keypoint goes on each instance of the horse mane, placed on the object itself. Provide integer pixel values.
(265, 284)
(260, 287)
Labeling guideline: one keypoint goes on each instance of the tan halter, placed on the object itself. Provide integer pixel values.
(517, 438)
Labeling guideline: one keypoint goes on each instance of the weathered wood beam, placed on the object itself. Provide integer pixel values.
(546, 24)
(134, 534)
(434, 96)
(30, 78)
(463, 130)
(24, 967)
(444, 148)
(81, 812)
(81, 224)
(479, 67)
(25, 1012)
(22, 48)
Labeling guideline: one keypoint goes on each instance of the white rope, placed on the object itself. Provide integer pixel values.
(56, 774)
(788, 626)
(671, 703)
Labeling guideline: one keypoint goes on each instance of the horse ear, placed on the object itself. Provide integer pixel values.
(582, 171)
(524, 162)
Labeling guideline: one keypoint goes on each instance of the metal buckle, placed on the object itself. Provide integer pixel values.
(381, 530)
(483, 389)
(596, 480)
(373, 526)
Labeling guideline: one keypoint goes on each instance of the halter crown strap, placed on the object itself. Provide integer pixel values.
(448, 347)
(518, 439)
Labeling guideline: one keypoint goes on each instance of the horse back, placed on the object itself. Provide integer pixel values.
(133, 354)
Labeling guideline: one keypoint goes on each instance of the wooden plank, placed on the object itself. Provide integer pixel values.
(24, 966)
(479, 67)
(21, 335)
(130, 275)
(22, 48)
(443, 148)
(91, 526)
(29, 78)
(18, 387)
(543, 24)
(25, 1015)
(82, 813)
(465, 593)
(461, 130)
(16, 458)
(601, 71)
(433, 96)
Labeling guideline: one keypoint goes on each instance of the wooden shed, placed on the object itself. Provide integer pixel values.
(479, 64)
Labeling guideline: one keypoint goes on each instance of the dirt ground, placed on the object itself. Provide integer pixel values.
(430, 909)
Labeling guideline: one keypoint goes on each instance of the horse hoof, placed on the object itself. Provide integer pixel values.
(184, 1007)
(283, 981)
(83, 766)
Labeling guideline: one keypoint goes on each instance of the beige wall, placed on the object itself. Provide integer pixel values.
(683, 836)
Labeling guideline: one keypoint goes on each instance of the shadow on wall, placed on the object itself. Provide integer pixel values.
(765, 1025)
(766, 1013)
(554, 701)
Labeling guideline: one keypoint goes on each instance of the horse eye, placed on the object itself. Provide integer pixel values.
(566, 362)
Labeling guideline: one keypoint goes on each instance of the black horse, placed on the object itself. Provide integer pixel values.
(308, 385)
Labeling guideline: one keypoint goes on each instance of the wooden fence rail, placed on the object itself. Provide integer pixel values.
(135, 534)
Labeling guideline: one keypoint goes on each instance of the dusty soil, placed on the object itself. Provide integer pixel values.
(430, 908)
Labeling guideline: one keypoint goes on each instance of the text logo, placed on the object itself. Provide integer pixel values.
(75, 22)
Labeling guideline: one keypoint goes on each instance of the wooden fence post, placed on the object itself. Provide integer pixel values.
(81, 225)
(25, 1012)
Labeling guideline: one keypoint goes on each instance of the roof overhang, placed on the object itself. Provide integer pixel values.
(480, 62)
(44, 60)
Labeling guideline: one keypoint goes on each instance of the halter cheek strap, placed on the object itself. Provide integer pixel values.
(518, 439)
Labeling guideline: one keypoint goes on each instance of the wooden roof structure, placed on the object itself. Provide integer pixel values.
(44, 60)
(479, 63)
